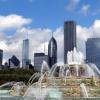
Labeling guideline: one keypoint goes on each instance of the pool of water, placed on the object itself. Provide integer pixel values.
(5, 93)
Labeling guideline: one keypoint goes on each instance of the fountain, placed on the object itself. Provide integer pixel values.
(74, 79)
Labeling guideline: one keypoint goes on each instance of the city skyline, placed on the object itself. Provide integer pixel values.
(28, 20)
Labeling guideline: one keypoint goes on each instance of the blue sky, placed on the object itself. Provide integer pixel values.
(52, 13)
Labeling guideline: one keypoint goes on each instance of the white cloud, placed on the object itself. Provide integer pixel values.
(85, 9)
(72, 5)
(83, 33)
(13, 21)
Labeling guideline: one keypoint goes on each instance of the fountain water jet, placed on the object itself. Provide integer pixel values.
(84, 90)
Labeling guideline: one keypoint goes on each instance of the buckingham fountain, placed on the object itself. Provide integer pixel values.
(76, 79)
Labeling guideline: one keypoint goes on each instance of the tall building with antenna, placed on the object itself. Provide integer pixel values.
(52, 51)
(25, 53)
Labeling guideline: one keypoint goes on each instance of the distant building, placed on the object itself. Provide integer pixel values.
(69, 37)
(52, 51)
(38, 60)
(14, 62)
(6, 65)
(1, 56)
(93, 51)
(25, 54)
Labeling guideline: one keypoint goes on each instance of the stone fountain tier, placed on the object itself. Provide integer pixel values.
(72, 87)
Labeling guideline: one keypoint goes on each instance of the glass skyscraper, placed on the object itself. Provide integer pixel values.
(52, 51)
(93, 51)
(69, 37)
(1, 56)
(25, 53)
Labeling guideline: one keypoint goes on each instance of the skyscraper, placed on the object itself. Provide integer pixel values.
(69, 37)
(38, 60)
(93, 51)
(1, 56)
(52, 51)
(14, 62)
(25, 54)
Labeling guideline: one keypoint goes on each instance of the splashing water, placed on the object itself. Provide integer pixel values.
(84, 90)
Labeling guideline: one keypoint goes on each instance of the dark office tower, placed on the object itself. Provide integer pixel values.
(69, 37)
(52, 51)
(1, 56)
(93, 51)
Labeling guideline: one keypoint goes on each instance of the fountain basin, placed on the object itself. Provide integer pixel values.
(55, 94)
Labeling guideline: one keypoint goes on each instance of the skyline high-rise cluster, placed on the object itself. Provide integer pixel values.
(70, 42)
